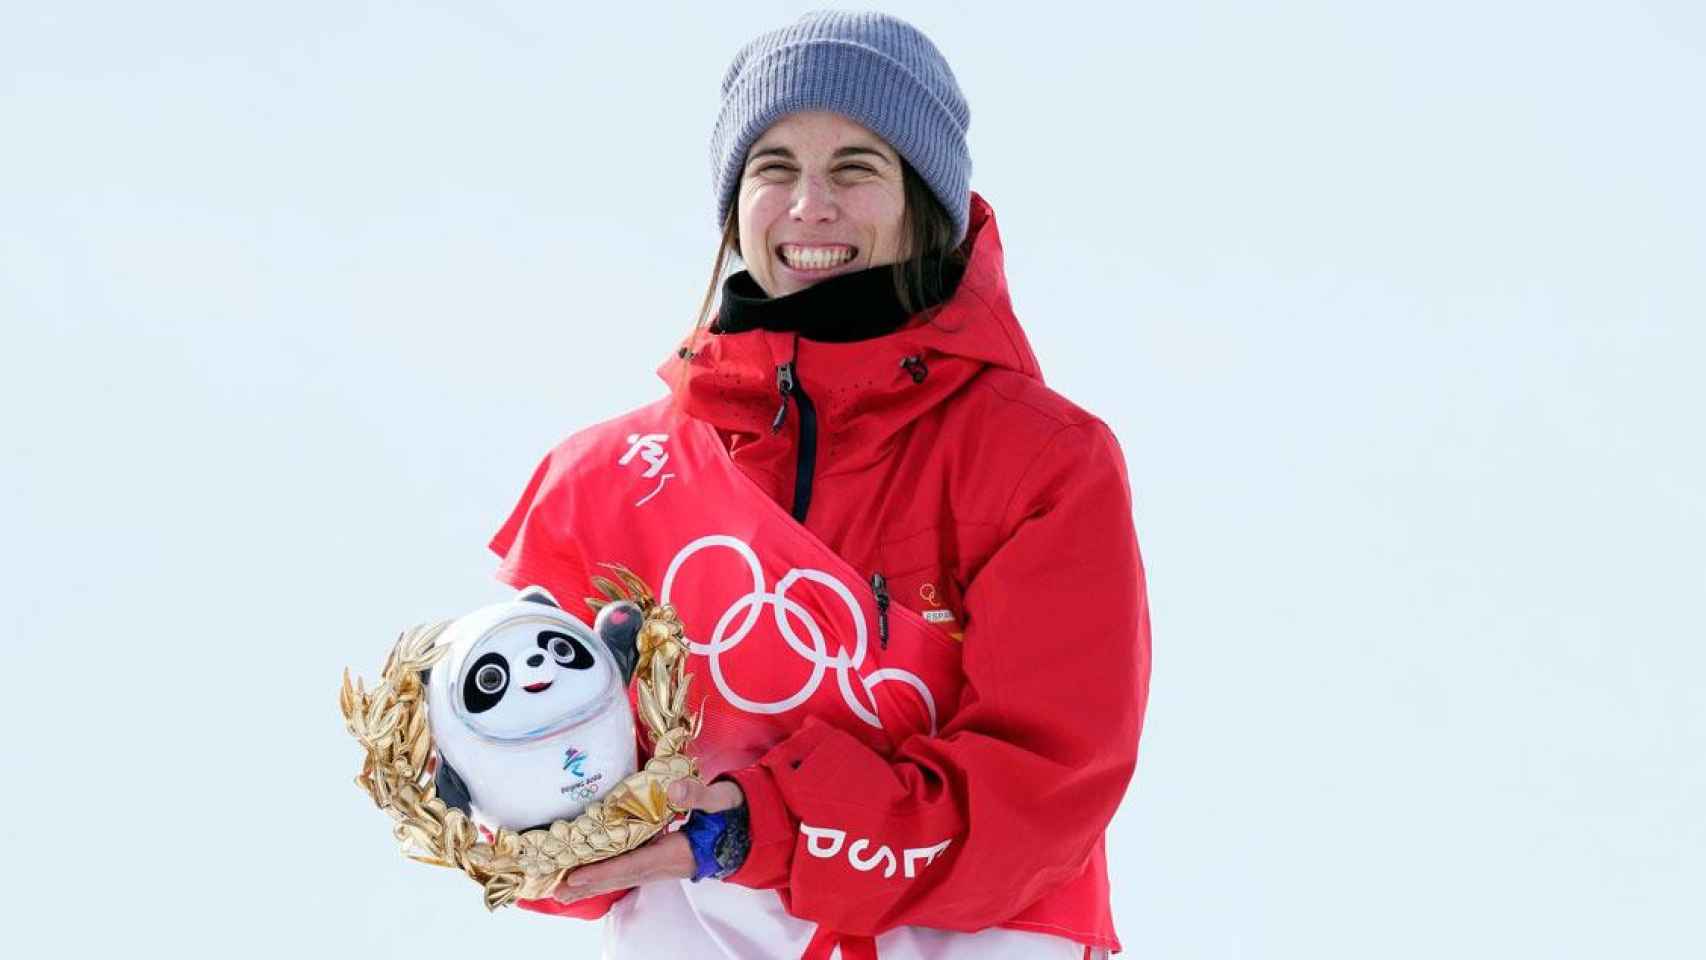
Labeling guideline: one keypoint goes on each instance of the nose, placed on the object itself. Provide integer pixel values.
(814, 201)
(536, 660)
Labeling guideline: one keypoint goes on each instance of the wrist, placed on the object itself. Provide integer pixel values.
(719, 841)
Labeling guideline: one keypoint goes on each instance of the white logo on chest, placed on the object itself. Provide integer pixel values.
(649, 448)
(785, 613)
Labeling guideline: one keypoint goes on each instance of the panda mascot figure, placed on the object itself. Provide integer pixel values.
(529, 710)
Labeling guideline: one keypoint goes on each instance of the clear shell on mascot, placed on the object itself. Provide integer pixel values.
(529, 709)
(503, 743)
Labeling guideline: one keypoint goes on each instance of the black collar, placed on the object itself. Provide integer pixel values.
(842, 309)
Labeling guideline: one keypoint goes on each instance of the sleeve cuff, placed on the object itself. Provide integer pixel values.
(772, 851)
(775, 828)
(589, 908)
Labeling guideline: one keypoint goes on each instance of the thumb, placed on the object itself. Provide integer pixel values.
(686, 794)
(694, 795)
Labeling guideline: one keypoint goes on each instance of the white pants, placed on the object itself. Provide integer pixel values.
(719, 920)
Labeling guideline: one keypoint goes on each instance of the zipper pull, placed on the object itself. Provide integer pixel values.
(915, 368)
(881, 587)
(785, 387)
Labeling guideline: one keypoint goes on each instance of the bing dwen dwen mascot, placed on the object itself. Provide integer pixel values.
(529, 709)
(503, 742)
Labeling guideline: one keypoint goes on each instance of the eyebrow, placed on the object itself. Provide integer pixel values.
(849, 151)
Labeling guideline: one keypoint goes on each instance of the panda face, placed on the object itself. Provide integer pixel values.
(529, 675)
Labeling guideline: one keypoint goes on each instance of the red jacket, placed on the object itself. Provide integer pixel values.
(1002, 513)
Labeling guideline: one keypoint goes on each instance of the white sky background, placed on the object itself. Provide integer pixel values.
(1396, 308)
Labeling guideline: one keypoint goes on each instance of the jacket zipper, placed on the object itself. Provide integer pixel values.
(784, 387)
(805, 464)
(881, 587)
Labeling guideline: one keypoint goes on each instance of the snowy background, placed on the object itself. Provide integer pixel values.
(1399, 311)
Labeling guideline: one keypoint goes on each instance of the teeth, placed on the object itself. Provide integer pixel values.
(815, 258)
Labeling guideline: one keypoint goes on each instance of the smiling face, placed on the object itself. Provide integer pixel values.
(528, 675)
(820, 196)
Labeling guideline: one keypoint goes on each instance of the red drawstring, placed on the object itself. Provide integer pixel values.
(825, 940)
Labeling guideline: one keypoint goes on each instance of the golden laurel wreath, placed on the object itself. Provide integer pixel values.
(391, 723)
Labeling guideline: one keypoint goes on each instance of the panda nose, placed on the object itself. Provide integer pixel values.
(536, 660)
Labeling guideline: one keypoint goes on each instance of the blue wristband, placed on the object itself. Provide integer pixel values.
(702, 830)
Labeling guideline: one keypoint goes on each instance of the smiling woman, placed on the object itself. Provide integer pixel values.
(820, 196)
(875, 518)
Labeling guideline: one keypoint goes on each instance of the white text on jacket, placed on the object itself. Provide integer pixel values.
(825, 843)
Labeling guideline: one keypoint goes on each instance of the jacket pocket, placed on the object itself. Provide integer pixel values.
(916, 678)
(920, 573)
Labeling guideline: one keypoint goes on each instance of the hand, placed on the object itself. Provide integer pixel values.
(667, 857)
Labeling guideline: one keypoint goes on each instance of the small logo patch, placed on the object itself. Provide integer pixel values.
(649, 448)
(583, 787)
(939, 616)
(572, 760)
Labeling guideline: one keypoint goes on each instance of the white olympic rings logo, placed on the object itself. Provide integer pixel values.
(783, 610)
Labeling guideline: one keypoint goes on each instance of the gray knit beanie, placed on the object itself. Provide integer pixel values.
(874, 69)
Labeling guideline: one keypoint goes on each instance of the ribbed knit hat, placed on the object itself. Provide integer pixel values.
(874, 69)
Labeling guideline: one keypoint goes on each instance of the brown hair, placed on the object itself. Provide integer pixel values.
(728, 247)
(925, 223)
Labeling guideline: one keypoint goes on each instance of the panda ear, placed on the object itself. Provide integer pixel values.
(538, 594)
(618, 625)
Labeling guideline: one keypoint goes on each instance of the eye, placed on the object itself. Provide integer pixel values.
(569, 653)
(487, 681)
(490, 678)
(854, 168)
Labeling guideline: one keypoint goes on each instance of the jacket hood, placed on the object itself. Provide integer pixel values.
(863, 392)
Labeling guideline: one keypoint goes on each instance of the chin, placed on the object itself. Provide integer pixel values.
(785, 279)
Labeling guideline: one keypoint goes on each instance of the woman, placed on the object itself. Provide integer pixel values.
(908, 567)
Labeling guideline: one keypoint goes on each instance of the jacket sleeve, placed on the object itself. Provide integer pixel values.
(531, 547)
(587, 908)
(965, 829)
(532, 551)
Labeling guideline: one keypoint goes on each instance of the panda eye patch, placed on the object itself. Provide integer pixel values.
(485, 683)
(569, 653)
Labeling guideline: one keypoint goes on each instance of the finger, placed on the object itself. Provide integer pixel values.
(612, 874)
(593, 878)
(665, 858)
(584, 881)
(722, 795)
(711, 798)
(686, 794)
(652, 867)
